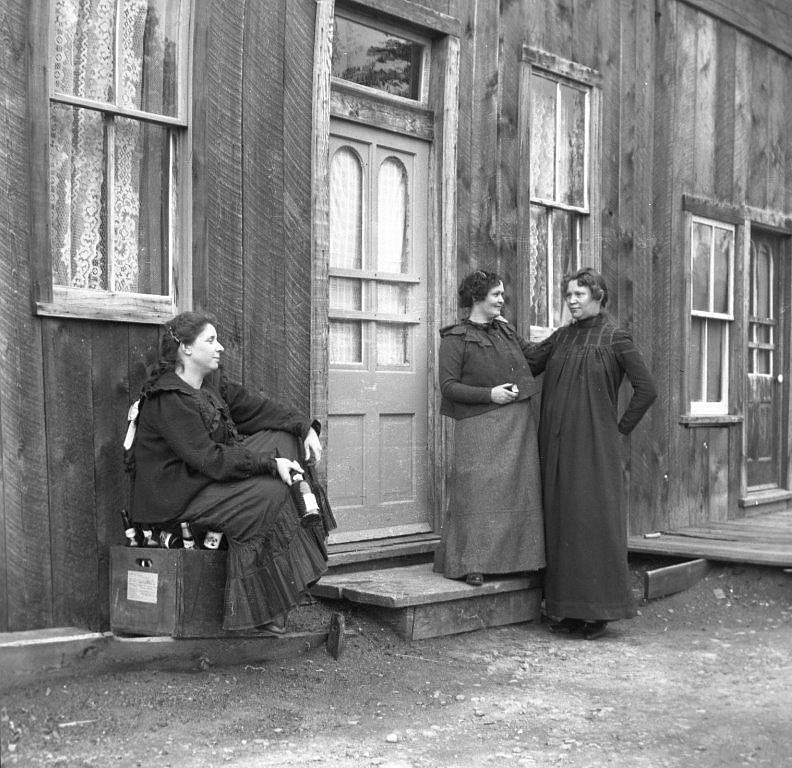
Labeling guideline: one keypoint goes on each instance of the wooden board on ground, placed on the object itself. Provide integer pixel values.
(43, 655)
(673, 578)
(756, 540)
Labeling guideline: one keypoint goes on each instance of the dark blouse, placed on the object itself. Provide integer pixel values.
(188, 438)
(585, 363)
(474, 358)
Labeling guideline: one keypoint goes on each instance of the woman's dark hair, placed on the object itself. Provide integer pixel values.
(593, 280)
(475, 286)
(182, 329)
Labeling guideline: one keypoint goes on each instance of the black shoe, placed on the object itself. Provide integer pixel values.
(272, 628)
(594, 629)
(572, 626)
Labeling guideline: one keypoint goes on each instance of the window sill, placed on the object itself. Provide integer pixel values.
(764, 497)
(108, 307)
(711, 420)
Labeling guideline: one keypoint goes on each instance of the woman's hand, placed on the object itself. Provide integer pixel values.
(313, 446)
(285, 466)
(504, 394)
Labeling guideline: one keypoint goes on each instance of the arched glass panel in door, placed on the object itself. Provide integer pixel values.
(346, 252)
(393, 298)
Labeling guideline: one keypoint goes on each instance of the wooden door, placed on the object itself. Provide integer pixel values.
(766, 368)
(377, 443)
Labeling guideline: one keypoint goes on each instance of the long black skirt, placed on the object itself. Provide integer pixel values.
(272, 559)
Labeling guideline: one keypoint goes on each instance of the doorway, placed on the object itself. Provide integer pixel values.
(766, 369)
(377, 346)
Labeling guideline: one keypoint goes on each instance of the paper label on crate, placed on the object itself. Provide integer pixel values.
(142, 587)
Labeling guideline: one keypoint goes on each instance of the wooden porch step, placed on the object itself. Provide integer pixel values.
(419, 603)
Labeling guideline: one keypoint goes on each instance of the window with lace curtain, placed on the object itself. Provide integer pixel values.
(560, 107)
(117, 153)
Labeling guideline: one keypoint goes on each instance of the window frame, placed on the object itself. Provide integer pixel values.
(588, 227)
(727, 319)
(383, 25)
(51, 300)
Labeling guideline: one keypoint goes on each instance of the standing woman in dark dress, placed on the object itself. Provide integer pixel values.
(494, 520)
(586, 581)
(219, 457)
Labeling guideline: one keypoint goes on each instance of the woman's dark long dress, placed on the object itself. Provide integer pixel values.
(585, 530)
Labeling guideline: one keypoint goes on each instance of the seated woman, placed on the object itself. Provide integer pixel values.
(220, 458)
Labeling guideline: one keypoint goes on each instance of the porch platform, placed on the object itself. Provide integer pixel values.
(419, 603)
(759, 540)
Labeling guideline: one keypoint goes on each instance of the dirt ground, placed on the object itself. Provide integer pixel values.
(702, 678)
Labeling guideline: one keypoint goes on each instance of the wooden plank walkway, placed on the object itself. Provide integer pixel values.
(760, 540)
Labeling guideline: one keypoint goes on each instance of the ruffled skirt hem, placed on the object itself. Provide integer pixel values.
(269, 575)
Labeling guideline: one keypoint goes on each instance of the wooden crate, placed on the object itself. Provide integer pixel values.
(176, 592)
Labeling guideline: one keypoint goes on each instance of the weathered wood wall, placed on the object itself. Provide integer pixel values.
(722, 131)
(690, 105)
(615, 38)
(66, 385)
(674, 77)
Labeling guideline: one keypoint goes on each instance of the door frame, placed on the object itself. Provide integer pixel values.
(773, 223)
(437, 121)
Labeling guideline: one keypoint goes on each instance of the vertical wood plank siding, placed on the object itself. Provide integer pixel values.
(25, 575)
(295, 382)
(675, 74)
(262, 281)
(70, 467)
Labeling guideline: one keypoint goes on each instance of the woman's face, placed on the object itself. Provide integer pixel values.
(580, 301)
(204, 352)
(492, 304)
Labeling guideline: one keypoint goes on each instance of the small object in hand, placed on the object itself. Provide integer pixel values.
(475, 579)
(304, 500)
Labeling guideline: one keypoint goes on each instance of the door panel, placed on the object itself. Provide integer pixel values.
(764, 437)
(378, 389)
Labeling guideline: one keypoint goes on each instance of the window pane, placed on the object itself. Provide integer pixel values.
(140, 211)
(571, 148)
(537, 266)
(346, 341)
(696, 358)
(83, 48)
(701, 238)
(345, 293)
(724, 242)
(392, 217)
(392, 299)
(346, 210)
(764, 362)
(376, 58)
(393, 344)
(715, 331)
(78, 224)
(760, 280)
(564, 253)
(543, 137)
(149, 55)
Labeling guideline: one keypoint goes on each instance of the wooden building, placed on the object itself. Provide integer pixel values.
(322, 194)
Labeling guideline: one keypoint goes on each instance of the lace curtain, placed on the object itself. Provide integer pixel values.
(85, 253)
